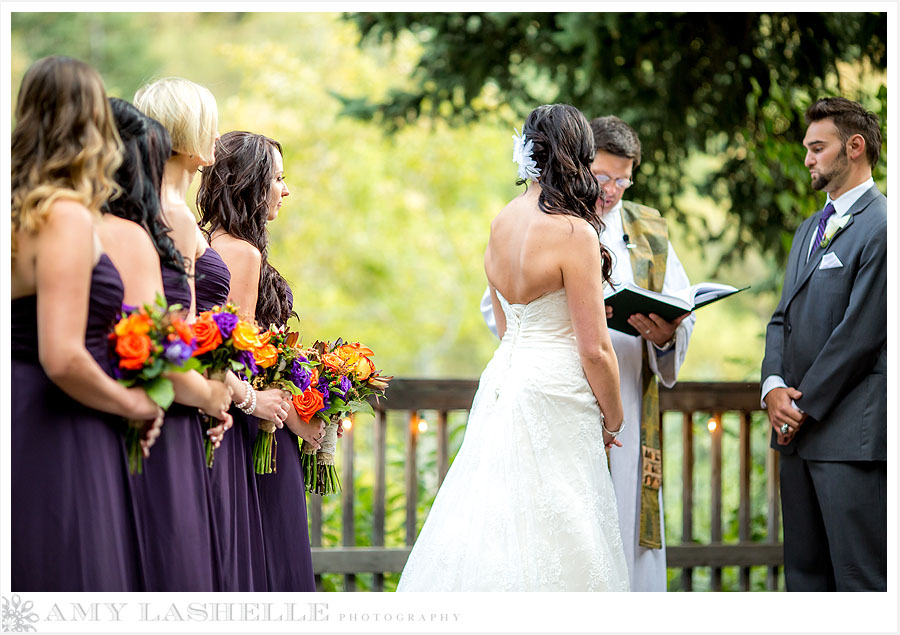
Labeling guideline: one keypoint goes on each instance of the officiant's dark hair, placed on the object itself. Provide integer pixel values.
(613, 135)
(849, 118)
(233, 196)
(146, 147)
(563, 150)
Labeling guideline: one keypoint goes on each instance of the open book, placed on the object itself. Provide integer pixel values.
(630, 298)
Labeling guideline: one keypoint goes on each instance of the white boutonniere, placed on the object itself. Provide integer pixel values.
(522, 151)
(833, 226)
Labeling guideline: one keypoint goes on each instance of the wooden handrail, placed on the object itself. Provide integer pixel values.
(410, 396)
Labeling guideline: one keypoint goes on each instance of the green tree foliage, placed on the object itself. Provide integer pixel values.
(734, 85)
(117, 43)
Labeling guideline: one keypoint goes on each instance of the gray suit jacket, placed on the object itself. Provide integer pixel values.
(827, 338)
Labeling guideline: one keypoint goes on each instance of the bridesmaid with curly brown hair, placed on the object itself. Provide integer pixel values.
(238, 197)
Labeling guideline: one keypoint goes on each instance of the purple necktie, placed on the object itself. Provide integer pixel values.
(820, 232)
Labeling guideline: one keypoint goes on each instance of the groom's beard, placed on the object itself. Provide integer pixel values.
(840, 166)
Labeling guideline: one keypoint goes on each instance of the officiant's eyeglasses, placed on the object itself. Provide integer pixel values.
(603, 179)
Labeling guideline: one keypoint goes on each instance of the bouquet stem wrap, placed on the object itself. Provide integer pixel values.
(212, 422)
(264, 448)
(319, 472)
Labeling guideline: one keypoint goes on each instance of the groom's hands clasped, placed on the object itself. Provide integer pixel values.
(782, 411)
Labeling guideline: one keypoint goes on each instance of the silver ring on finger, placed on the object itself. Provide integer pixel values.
(647, 332)
(785, 428)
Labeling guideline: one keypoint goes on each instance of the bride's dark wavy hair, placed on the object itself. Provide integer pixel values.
(563, 150)
(146, 149)
(233, 196)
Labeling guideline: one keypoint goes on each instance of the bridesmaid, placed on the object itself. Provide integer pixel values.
(238, 196)
(70, 524)
(172, 495)
(188, 112)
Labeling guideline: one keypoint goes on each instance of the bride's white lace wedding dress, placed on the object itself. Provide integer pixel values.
(528, 504)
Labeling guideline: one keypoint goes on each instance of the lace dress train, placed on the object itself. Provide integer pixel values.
(528, 504)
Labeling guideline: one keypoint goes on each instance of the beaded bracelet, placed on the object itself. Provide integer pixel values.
(248, 394)
(251, 397)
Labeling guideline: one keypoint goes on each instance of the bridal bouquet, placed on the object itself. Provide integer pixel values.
(148, 342)
(281, 365)
(224, 342)
(343, 376)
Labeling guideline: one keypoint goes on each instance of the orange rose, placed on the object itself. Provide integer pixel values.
(207, 333)
(335, 362)
(136, 323)
(308, 404)
(133, 350)
(246, 336)
(314, 376)
(364, 368)
(355, 349)
(265, 356)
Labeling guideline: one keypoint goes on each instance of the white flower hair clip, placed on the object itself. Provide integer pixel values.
(522, 151)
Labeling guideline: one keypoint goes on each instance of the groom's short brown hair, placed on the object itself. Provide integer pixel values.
(849, 118)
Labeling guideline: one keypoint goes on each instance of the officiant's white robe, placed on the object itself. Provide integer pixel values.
(646, 567)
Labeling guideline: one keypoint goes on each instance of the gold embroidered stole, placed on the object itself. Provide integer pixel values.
(647, 230)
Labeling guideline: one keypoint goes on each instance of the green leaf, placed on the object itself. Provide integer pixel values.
(156, 369)
(161, 391)
(361, 406)
(191, 364)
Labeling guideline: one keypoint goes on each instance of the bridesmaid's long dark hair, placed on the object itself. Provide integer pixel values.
(146, 149)
(563, 150)
(233, 196)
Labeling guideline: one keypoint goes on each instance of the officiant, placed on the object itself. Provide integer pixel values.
(638, 238)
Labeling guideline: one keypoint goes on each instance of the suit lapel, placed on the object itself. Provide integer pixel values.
(807, 270)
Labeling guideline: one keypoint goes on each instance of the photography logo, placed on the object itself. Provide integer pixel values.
(18, 616)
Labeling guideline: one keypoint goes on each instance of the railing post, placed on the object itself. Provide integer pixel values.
(412, 481)
(715, 505)
(442, 449)
(744, 505)
(687, 493)
(314, 509)
(347, 524)
(774, 510)
(379, 446)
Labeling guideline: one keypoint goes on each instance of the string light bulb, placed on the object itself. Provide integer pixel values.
(423, 425)
(347, 423)
(711, 426)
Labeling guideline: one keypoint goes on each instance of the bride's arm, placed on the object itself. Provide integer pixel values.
(581, 265)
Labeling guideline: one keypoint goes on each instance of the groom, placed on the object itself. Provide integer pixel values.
(824, 370)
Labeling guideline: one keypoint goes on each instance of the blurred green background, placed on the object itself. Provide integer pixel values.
(383, 235)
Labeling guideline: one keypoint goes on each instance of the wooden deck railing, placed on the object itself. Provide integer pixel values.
(711, 400)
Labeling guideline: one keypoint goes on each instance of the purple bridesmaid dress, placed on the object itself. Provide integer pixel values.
(235, 503)
(282, 500)
(71, 525)
(172, 497)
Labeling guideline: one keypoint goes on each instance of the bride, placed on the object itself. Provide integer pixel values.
(528, 504)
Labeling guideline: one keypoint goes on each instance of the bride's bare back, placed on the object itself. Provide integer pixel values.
(531, 253)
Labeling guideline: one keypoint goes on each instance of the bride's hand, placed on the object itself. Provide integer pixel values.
(610, 441)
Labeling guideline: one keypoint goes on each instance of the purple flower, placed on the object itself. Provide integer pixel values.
(178, 352)
(322, 387)
(226, 323)
(250, 367)
(344, 387)
(299, 376)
